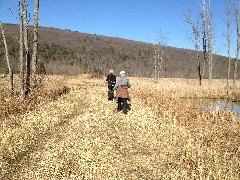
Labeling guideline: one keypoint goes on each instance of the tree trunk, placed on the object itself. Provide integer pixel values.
(238, 43)
(35, 44)
(204, 37)
(10, 73)
(158, 70)
(229, 41)
(199, 69)
(160, 62)
(204, 54)
(210, 57)
(27, 54)
(21, 52)
(155, 64)
(195, 32)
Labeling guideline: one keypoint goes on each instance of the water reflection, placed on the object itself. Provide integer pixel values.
(216, 104)
(232, 106)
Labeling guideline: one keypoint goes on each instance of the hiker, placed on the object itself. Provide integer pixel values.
(111, 79)
(122, 95)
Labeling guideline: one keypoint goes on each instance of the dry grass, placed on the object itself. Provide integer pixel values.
(81, 136)
(49, 88)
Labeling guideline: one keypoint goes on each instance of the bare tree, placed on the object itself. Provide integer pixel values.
(206, 17)
(35, 44)
(210, 41)
(10, 72)
(195, 32)
(21, 51)
(26, 47)
(155, 64)
(158, 58)
(160, 62)
(228, 39)
(204, 27)
(238, 42)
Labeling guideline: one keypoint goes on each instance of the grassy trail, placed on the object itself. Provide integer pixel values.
(81, 136)
(84, 137)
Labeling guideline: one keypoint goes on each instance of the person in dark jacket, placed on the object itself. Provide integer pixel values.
(122, 94)
(111, 79)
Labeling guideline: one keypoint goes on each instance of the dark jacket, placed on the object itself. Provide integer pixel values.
(111, 79)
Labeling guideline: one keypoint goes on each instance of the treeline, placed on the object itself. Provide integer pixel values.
(68, 52)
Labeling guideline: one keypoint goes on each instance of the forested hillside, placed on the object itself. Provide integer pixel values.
(67, 52)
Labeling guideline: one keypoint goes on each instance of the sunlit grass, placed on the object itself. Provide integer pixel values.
(81, 135)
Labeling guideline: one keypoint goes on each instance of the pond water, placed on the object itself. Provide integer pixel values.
(217, 104)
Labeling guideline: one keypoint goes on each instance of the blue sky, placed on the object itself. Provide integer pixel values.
(139, 20)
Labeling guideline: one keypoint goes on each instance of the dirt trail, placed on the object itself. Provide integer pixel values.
(86, 138)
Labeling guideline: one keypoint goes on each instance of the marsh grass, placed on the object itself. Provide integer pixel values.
(49, 88)
(81, 136)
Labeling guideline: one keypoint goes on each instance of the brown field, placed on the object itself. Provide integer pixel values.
(68, 130)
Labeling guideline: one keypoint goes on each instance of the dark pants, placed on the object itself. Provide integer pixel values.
(110, 92)
(122, 105)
